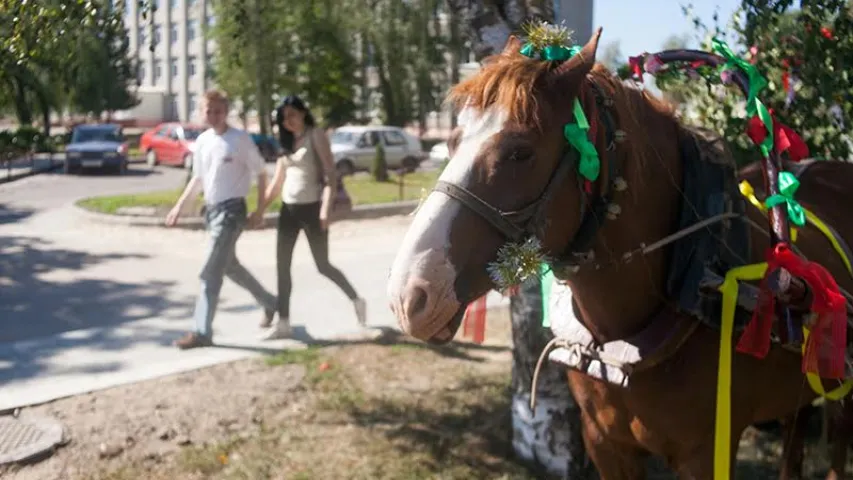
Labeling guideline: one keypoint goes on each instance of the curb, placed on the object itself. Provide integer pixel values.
(359, 212)
(29, 173)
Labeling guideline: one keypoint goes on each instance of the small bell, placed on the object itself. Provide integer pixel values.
(613, 211)
(619, 136)
(619, 184)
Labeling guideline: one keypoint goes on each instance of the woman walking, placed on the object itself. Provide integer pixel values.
(305, 177)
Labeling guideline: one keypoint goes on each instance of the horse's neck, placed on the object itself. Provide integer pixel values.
(620, 298)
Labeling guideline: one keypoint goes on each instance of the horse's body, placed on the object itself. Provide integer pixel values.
(669, 409)
(509, 145)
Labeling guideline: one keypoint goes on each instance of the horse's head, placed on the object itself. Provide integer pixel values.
(504, 156)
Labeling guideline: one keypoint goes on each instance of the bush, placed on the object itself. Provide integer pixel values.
(379, 169)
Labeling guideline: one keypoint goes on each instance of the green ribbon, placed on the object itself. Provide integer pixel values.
(546, 276)
(576, 133)
(551, 53)
(589, 165)
(788, 185)
(757, 82)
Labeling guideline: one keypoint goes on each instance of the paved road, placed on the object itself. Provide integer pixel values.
(86, 306)
(56, 189)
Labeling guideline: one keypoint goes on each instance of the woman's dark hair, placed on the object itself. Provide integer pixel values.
(285, 136)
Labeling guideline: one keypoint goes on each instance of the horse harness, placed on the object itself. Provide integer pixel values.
(530, 220)
(575, 346)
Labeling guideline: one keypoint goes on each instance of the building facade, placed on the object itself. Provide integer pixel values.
(174, 58)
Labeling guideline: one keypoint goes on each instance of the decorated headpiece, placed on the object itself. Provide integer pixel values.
(549, 43)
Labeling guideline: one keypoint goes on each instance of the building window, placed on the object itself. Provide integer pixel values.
(192, 27)
(173, 67)
(140, 73)
(173, 33)
(191, 105)
(140, 35)
(157, 37)
(173, 4)
(191, 3)
(190, 66)
(211, 20)
(173, 107)
(158, 70)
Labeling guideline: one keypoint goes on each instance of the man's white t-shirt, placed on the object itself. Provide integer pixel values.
(226, 164)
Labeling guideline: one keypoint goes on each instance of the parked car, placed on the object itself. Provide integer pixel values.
(96, 146)
(170, 143)
(439, 153)
(268, 145)
(354, 148)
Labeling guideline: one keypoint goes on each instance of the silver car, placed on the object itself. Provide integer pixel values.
(354, 148)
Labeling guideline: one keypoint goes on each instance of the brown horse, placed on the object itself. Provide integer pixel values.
(504, 157)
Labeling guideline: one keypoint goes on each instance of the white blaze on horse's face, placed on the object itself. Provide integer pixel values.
(421, 283)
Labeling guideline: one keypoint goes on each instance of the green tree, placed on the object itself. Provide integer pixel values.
(808, 49)
(104, 74)
(40, 52)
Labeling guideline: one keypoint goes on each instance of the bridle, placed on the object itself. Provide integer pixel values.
(530, 220)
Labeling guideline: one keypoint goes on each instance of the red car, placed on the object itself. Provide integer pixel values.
(170, 144)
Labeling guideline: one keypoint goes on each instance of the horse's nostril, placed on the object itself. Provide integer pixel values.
(414, 301)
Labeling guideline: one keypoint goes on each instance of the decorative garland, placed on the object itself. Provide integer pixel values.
(824, 350)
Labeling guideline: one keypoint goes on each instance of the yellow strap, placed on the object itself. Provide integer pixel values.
(729, 290)
(817, 386)
(723, 422)
(814, 381)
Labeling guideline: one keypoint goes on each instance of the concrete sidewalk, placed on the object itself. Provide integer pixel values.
(96, 306)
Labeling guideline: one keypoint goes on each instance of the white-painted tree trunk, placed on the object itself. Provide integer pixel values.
(549, 436)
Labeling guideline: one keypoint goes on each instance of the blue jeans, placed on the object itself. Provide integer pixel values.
(225, 222)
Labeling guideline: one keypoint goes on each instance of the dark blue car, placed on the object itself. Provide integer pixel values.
(99, 146)
(268, 146)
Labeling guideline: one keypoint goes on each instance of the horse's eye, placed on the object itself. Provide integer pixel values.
(520, 156)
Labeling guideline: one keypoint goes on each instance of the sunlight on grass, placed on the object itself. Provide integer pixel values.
(362, 188)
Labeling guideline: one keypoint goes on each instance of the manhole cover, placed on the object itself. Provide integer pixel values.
(25, 437)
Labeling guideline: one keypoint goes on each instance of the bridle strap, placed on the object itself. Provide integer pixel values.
(515, 225)
(497, 218)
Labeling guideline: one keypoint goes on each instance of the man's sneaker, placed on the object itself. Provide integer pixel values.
(266, 321)
(282, 329)
(360, 311)
(193, 340)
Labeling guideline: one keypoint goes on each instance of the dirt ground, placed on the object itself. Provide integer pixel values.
(391, 409)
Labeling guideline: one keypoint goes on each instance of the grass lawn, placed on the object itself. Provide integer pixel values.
(362, 188)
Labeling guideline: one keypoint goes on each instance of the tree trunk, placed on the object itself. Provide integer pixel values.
(549, 436)
(455, 50)
(22, 108)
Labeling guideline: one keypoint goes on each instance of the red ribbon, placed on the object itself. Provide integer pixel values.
(636, 64)
(785, 138)
(474, 323)
(826, 346)
(786, 80)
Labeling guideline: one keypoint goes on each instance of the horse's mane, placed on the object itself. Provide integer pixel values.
(512, 82)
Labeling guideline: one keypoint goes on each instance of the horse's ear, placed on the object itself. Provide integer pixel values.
(512, 47)
(582, 62)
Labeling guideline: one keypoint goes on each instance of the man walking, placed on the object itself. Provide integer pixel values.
(224, 163)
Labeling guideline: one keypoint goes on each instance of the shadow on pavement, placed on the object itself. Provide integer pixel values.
(10, 214)
(40, 297)
(382, 336)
